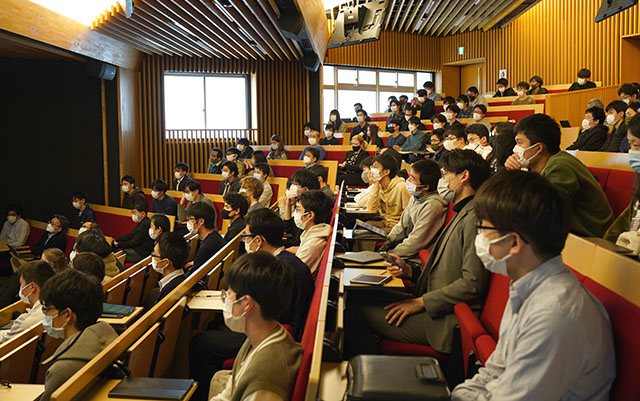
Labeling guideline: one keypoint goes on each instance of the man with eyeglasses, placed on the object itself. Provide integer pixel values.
(452, 274)
(55, 237)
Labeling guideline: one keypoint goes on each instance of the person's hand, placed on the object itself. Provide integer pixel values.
(398, 311)
(291, 200)
(343, 164)
(512, 163)
(282, 201)
(188, 265)
(115, 242)
(397, 148)
(401, 268)
(372, 180)
(292, 249)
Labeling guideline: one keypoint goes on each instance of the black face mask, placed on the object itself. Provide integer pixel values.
(471, 98)
(356, 148)
(225, 214)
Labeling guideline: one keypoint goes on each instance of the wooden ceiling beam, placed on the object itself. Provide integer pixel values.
(476, 12)
(508, 10)
(398, 13)
(392, 5)
(418, 11)
(267, 9)
(452, 10)
(116, 32)
(462, 11)
(438, 10)
(489, 12)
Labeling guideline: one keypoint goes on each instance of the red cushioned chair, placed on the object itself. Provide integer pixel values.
(284, 171)
(485, 345)
(619, 189)
(625, 320)
(601, 174)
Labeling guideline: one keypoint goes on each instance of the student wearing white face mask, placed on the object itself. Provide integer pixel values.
(246, 151)
(456, 138)
(415, 141)
(314, 142)
(538, 149)
(159, 224)
(584, 82)
(336, 122)
(478, 140)
(230, 181)
(201, 221)
(523, 97)
(137, 245)
(168, 259)
(16, 229)
(463, 104)
(181, 176)
(594, 131)
(192, 194)
(504, 89)
(361, 128)
(439, 121)
(302, 181)
(555, 337)
(616, 120)
(479, 113)
(80, 202)
(396, 111)
(131, 194)
(277, 151)
(329, 136)
(162, 203)
(233, 155)
(267, 364)
(310, 159)
(261, 172)
(425, 104)
(54, 237)
(429, 87)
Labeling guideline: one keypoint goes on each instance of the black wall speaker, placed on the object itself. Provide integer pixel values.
(101, 70)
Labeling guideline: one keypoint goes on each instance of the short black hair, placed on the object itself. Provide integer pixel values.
(597, 113)
(482, 107)
(259, 156)
(37, 271)
(314, 152)
(503, 144)
(317, 202)
(394, 154)
(634, 126)
(584, 73)
(237, 201)
(93, 241)
(77, 291)
(14, 207)
(512, 200)
(128, 178)
(182, 166)
(267, 224)
(473, 89)
(505, 127)
(264, 167)
(449, 100)
(388, 162)
(243, 141)
(628, 89)
(140, 207)
(80, 196)
(477, 129)
(502, 81)
(454, 109)
(323, 173)
(363, 111)
(265, 279)
(396, 101)
(523, 85)
(357, 104)
(617, 105)
(537, 79)
(233, 150)
(414, 120)
(635, 106)
(200, 210)
(368, 161)
(421, 92)
(89, 263)
(459, 160)
(162, 221)
(396, 121)
(458, 130)
(160, 185)
(428, 84)
(193, 185)
(439, 133)
(403, 96)
(429, 172)
(217, 151)
(439, 117)
(309, 125)
(413, 110)
(540, 128)
(64, 222)
(306, 179)
(174, 247)
(232, 166)
(463, 98)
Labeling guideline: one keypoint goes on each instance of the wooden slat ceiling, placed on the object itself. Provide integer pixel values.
(240, 29)
(449, 17)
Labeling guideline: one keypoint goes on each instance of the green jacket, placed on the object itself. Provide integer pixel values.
(591, 212)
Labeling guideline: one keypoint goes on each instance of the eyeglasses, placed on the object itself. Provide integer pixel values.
(53, 224)
(480, 227)
(156, 256)
(47, 309)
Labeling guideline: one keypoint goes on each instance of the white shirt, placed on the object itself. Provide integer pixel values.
(17, 233)
(32, 316)
(164, 280)
(555, 343)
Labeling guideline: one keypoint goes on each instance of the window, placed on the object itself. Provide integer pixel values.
(206, 101)
(344, 86)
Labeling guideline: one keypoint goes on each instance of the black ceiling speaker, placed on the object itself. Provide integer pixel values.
(293, 27)
(101, 70)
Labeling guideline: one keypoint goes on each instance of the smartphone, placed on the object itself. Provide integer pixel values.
(388, 258)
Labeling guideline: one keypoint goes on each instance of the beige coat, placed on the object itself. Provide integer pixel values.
(389, 202)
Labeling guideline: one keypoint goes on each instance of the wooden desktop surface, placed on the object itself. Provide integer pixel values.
(206, 300)
(123, 322)
(349, 273)
(333, 381)
(102, 392)
(21, 392)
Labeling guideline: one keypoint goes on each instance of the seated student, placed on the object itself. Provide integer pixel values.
(137, 245)
(595, 102)
(324, 186)
(208, 350)
(168, 259)
(396, 111)
(89, 263)
(536, 86)
(162, 203)
(426, 106)
(448, 101)
(372, 138)
(594, 132)
(523, 97)
(235, 208)
(451, 114)
(583, 81)
(277, 151)
(192, 194)
(93, 241)
(552, 328)
(330, 136)
(307, 128)
(233, 155)
(456, 138)
(437, 145)
(452, 274)
(357, 107)
(257, 157)
(415, 140)
(310, 159)
(628, 93)
(615, 119)
(503, 88)
(181, 176)
(479, 114)
(246, 151)
(361, 128)
(230, 181)
(503, 143)
(16, 229)
(630, 112)
(538, 149)
(475, 98)
(312, 213)
(261, 172)
(404, 102)
(267, 364)
(362, 198)
(215, 161)
(159, 224)
(79, 200)
(389, 100)
(71, 304)
(349, 170)
(431, 92)
(411, 112)
(439, 121)
(478, 140)
(200, 220)
(251, 188)
(302, 180)
(55, 258)
(32, 275)
(314, 142)
(466, 111)
(424, 217)
(336, 123)
(55, 237)
(396, 138)
(132, 194)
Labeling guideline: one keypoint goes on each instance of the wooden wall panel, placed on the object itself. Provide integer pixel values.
(128, 115)
(570, 106)
(282, 108)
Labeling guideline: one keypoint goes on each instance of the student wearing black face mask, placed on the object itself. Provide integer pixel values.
(349, 170)
(235, 208)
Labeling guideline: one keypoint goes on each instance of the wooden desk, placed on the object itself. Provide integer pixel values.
(102, 392)
(333, 381)
(349, 273)
(123, 323)
(21, 392)
(4, 247)
(206, 300)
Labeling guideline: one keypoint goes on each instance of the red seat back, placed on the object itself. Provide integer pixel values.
(494, 305)
(450, 214)
(619, 189)
(284, 171)
(601, 174)
(114, 225)
(625, 320)
(219, 206)
(516, 115)
(293, 155)
(34, 235)
(210, 186)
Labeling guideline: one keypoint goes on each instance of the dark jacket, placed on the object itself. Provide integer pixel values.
(507, 92)
(167, 205)
(84, 216)
(215, 168)
(226, 186)
(170, 286)
(615, 139)
(135, 195)
(353, 161)
(359, 130)
(235, 228)
(405, 127)
(247, 153)
(541, 91)
(428, 109)
(576, 87)
(327, 141)
(209, 247)
(58, 240)
(591, 139)
(303, 286)
(138, 239)
(182, 185)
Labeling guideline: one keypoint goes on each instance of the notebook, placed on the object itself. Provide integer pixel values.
(361, 257)
(150, 388)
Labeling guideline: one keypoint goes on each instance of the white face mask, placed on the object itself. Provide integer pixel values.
(472, 146)
(582, 81)
(360, 119)
(444, 191)
(307, 132)
(12, 219)
(76, 205)
(460, 105)
(586, 124)
(407, 117)
(190, 226)
(257, 176)
(242, 191)
(152, 234)
(422, 99)
(155, 194)
(225, 175)
(125, 188)
(82, 229)
(477, 116)
(25, 298)
(437, 125)
(520, 93)
(502, 89)
(293, 190)
(611, 119)
(328, 134)
(306, 160)
(189, 196)
(234, 323)
(412, 188)
(627, 100)
(412, 127)
(377, 174)
(154, 265)
(519, 151)
(50, 228)
(53, 332)
(490, 263)
(394, 108)
(449, 116)
(247, 246)
(297, 218)
(177, 175)
(231, 157)
(313, 141)
(333, 118)
(72, 255)
(365, 177)
(449, 144)
(135, 218)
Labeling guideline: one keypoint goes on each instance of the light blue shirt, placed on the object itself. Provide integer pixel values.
(555, 343)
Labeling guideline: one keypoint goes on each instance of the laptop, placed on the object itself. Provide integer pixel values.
(363, 257)
(373, 229)
(565, 124)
